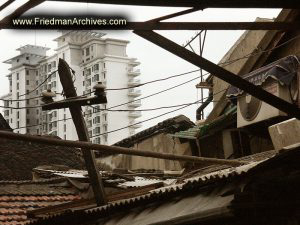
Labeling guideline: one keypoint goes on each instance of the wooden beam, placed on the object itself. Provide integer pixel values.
(75, 102)
(88, 146)
(19, 11)
(180, 13)
(5, 4)
(221, 73)
(75, 110)
(152, 25)
(201, 4)
(210, 26)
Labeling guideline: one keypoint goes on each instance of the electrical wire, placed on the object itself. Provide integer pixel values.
(153, 81)
(39, 84)
(155, 117)
(156, 93)
(19, 100)
(145, 110)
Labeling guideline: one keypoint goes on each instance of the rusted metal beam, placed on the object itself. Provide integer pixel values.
(179, 26)
(88, 146)
(201, 4)
(5, 4)
(221, 73)
(73, 102)
(76, 113)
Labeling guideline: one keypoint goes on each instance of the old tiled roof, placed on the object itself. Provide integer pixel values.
(3, 124)
(18, 158)
(17, 197)
(170, 125)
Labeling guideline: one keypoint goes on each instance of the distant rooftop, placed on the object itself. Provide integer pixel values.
(25, 47)
(81, 33)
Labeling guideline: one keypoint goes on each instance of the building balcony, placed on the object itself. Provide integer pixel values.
(135, 104)
(133, 62)
(132, 72)
(135, 114)
(134, 82)
(134, 92)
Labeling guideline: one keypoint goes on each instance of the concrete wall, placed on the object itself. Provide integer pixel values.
(246, 44)
(158, 143)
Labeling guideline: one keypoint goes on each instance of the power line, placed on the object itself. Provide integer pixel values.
(153, 117)
(119, 104)
(19, 100)
(153, 81)
(145, 110)
(40, 84)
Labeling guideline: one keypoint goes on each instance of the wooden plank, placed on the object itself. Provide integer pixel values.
(89, 156)
(221, 73)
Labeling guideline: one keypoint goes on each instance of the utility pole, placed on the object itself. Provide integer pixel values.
(76, 113)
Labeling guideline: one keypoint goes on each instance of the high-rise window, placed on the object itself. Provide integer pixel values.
(87, 51)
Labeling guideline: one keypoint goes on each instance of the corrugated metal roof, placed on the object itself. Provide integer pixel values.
(164, 192)
(193, 184)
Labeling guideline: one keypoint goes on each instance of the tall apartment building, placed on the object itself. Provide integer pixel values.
(94, 59)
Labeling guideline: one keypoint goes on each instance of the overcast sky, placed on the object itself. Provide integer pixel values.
(156, 63)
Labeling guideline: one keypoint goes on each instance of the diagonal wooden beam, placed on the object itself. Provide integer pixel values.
(181, 13)
(5, 4)
(19, 11)
(220, 72)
